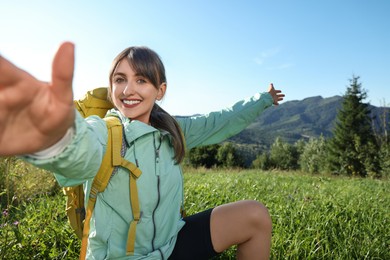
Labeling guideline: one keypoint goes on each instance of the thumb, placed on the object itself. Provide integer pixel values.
(271, 87)
(62, 71)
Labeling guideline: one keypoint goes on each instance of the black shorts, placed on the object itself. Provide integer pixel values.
(194, 239)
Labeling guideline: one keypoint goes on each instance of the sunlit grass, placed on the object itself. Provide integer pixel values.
(314, 217)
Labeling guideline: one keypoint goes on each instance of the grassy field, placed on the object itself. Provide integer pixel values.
(314, 217)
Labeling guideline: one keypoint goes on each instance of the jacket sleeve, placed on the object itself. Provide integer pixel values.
(81, 159)
(216, 127)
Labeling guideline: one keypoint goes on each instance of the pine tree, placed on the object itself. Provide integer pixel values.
(353, 150)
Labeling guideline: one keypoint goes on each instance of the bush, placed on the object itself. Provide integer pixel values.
(262, 162)
(313, 157)
(204, 156)
(283, 156)
(215, 155)
(228, 157)
(384, 155)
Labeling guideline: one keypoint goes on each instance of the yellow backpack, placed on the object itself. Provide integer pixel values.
(95, 103)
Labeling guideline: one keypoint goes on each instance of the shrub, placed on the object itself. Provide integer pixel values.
(313, 157)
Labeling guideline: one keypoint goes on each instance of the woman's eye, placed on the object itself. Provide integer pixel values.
(119, 80)
(141, 81)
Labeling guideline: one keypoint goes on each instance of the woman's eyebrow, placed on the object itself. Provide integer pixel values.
(119, 74)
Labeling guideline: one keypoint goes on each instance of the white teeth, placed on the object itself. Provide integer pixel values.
(131, 102)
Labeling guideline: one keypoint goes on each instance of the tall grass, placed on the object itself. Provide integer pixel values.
(20, 181)
(38, 229)
(314, 217)
(32, 220)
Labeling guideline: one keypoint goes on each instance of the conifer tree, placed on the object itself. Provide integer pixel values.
(352, 149)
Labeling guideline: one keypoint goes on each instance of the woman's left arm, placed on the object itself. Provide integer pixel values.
(216, 127)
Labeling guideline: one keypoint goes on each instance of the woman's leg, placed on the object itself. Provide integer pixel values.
(246, 224)
(194, 239)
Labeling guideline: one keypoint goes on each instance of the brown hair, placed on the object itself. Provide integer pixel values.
(147, 63)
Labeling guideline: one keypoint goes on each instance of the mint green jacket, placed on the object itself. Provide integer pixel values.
(160, 187)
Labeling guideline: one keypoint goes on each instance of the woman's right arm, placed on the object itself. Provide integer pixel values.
(34, 115)
(80, 159)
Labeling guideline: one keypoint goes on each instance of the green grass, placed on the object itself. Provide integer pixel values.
(314, 217)
(38, 229)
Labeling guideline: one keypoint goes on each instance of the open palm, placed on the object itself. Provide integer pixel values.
(276, 94)
(34, 114)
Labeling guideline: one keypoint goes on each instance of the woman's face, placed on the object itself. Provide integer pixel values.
(133, 95)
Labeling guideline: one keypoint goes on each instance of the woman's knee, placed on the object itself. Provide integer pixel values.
(258, 215)
(238, 222)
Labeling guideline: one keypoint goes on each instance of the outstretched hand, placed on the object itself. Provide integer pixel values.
(277, 95)
(33, 114)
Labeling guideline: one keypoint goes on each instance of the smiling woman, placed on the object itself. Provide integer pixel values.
(134, 88)
(60, 140)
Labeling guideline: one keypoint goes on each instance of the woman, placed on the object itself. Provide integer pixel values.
(38, 119)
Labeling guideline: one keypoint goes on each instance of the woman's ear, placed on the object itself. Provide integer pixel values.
(161, 91)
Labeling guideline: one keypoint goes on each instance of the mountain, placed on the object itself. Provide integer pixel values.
(294, 120)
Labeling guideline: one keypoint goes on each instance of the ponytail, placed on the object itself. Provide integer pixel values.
(160, 119)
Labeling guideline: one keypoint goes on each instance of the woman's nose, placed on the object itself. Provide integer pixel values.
(129, 89)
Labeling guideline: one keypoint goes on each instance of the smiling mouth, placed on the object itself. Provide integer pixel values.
(131, 102)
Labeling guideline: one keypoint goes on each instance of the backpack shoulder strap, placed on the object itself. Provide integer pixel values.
(111, 159)
(112, 155)
(114, 144)
(135, 173)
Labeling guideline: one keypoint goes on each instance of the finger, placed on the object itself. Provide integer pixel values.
(62, 71)
(279, 98)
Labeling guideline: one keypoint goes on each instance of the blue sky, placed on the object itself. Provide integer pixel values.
(215, 52)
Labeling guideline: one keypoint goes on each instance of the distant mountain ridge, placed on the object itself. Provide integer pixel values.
(294, 120)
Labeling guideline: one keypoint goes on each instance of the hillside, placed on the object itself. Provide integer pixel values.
(294, 120)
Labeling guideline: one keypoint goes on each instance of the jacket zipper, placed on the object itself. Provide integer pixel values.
(154, 221)
(154, 211)
(157, 160)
